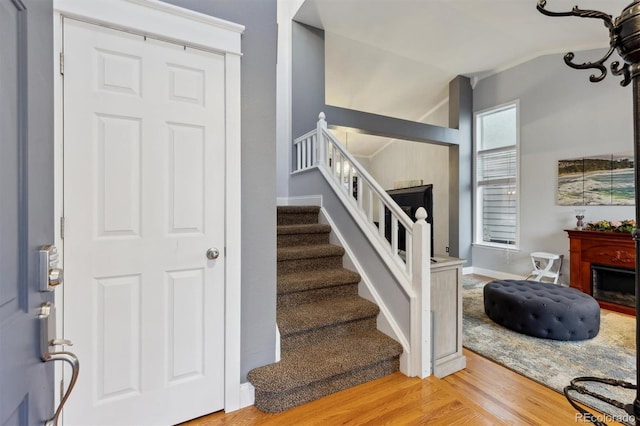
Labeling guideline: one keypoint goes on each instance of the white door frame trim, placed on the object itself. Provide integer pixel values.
(182, 26)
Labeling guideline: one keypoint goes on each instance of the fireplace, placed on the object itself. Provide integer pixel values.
(614, 285)
(614, 251)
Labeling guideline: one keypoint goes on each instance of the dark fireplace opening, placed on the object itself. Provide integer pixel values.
(613, 285)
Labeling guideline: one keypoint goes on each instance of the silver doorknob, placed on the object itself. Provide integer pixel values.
(213, 253)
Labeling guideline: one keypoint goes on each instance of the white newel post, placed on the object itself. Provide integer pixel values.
(421, 307)
(320, 142)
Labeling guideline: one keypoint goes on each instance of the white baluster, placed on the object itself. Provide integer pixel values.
(360, 193)
(341, 171)
(303, 154)
(394, 235)
(409, 251)
(381, 218)
(369, 203)
(314, 150)
(350, 177)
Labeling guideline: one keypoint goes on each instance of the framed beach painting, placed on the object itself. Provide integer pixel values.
(601, 180)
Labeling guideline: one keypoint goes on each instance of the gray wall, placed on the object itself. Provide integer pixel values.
(307, 77)
(562, 116)
(258, 170)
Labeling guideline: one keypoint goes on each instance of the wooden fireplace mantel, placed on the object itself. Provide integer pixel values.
(602, 248)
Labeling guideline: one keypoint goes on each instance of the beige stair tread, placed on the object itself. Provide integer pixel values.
(331, 358)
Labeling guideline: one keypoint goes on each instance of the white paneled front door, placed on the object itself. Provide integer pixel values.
(144, 179)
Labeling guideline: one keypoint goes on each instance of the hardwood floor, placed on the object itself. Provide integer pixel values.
(485, 393)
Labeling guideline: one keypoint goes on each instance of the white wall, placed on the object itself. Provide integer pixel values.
(562, 116)
(439, 116)
(404, 160)
(364, 161)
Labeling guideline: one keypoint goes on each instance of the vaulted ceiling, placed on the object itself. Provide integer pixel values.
(396, 57)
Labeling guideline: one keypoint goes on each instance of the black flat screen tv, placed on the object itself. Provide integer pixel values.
(410, 199)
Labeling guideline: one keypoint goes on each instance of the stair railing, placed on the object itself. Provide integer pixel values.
(372, 206)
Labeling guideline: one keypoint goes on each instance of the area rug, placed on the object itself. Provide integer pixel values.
(553, 363)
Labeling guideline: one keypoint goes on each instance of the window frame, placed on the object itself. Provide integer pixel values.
(477, 202)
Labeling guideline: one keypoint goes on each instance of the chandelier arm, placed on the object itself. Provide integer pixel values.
(599, 65)
(583, 13)
(624, 71)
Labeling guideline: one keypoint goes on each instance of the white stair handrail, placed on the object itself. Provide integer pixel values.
(321, 148)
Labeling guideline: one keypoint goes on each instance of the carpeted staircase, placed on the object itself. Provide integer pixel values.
(329, 336)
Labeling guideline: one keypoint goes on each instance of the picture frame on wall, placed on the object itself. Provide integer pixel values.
(600, 180)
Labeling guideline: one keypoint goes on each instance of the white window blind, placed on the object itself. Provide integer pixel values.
(496, 177)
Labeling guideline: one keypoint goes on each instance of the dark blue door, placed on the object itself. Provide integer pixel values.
(26, 205)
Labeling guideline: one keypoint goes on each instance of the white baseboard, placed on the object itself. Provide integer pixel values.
(492, 274)
(278, 350)
(247, 394)
(306, 200)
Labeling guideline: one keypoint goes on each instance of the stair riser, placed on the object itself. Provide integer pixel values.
(319, 334)
(313, 264)
(297, 218)
(302, 239)
(310, 296)
(271, 402)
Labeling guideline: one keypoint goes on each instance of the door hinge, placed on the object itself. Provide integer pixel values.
(61, 63)
(62, 227)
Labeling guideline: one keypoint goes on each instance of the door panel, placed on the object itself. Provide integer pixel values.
(26, 215)
(144, 200)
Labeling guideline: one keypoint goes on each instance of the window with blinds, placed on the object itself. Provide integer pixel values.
(496, 178)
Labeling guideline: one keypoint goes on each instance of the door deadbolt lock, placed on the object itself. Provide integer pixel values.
(50, 275)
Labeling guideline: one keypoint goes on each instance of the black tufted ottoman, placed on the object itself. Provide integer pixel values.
(542, 309)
